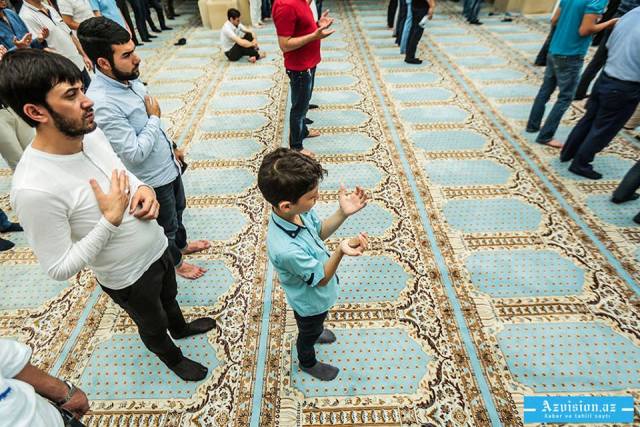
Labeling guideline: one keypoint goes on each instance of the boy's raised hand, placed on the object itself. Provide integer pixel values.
(355, 246)
(352, 203)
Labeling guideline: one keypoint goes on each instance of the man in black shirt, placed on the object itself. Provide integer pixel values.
(419, 9)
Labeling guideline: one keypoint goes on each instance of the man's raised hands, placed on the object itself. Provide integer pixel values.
(115, 202)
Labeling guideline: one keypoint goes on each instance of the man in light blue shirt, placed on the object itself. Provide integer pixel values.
(289, 181)
(615, 97)
(109, 9)
(575, 21)
(131, 120)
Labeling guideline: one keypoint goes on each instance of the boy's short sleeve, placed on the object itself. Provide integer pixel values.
(283, 19)
(299, 263)
(595, 7)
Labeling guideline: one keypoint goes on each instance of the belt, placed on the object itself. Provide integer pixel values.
(631, 82)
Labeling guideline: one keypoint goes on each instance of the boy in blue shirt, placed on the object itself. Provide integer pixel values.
(289, 181)
(575, 22)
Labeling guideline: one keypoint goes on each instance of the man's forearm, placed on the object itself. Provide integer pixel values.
(331, 266)
(294, 43)
(331, 224)
(44, 384)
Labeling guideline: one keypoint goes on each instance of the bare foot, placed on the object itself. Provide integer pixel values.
(196, 246)
(313, 133)
(190, 271)
(554, 143)
(253, 59)
(308, 153)
(262, 54)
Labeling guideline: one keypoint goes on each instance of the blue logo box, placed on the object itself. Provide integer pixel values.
(578, 409)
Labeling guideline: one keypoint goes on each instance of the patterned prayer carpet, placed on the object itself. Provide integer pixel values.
(493, 274)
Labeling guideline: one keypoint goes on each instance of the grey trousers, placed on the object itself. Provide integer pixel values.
(15, 136)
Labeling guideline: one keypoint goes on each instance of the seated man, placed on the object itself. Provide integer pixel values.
(237, 40)
(24, 390)
(80, 207)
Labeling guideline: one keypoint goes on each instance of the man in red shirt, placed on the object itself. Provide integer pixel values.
(299, 39)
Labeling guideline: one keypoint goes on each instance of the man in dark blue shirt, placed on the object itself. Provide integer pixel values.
(14, 33)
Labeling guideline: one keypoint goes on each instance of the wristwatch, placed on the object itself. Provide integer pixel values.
(70, 393)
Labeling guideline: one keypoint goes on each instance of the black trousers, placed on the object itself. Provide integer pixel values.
(391, 12)
(140, 14)
(541, 58)
(151, 304)
(122, 5)
(309, 330)
(86, 79)
(629, 184)
(609, 107)
(155, 4)
(415, 34)
(597, 62)
(172, 204)
(237, 51)
(402, 16)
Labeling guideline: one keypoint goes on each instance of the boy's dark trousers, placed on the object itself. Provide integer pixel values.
(151, 304)
(173, 202)
(237, 51)
(309, 330)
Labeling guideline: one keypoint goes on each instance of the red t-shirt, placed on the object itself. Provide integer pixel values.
(293, 18)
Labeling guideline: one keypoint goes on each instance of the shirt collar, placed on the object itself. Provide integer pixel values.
(32, 7)
(111, 82)
(289, 228)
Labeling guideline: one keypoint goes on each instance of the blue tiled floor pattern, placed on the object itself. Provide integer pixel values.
(26, 286)
(170, 105)
(193, 51)
(492, 215)
(334, 81)
(235, 122)
(206, 290)
(337, 118)
(215, 223)
(448, 140)
(610, 166)
(340, 143)
(447, 30)
(109, 374)
(417, 95)
(239, 102)
(333, 54)
(562, 133)
(524, 273)
(466, 172)
(412, 78)
(524, 37)
(480, 61)
(570, 357)
(511, 91)
(334, 67)
(219, 181)
(342, 97)
(518, 111)
(171, 75)
(176, 88)
(252, 70)
(373, 219)
(434, 114)
(398, 63)
(189, 62)
(371, 361)
(496, 74)
(464, 50)
(386, 52)
(217, 149)
(362, 174)
(370, 279)
(245, 85)
(618, 215)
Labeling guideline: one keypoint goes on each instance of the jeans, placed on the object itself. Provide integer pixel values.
(471, 9)
(301, 83)
(309, 330)
(237, 51)
(172, 204)
(406, 28)
(4, 221)
(609, 107)
(151, 304)
(561, 72)
(319, 8)
(416, 32)
(266, 9)
(597, 62)
(402, 17)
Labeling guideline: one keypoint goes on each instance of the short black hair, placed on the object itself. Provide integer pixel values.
(98, 34)
(27, 75)
(233, 13)
(286, 175)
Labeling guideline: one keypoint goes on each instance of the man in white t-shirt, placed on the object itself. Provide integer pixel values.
(61, 39)
(24, 390)
(237, 40)
(80, 207)
(75, 11)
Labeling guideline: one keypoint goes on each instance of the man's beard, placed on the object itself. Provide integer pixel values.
(119, 75)
(70, 128)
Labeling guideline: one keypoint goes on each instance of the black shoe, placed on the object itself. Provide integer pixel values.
(308, 121)
(195, 327)
(636, 219)
(137, 43)
(540, 64)
(313, 106)
(151, 36)
(413, 61)
(586, 172)
(634, 196)
(165, 28)
(14, 227)
(5, 245)
(476, 22)
(146, 40)
(189, 370)
(531, 130)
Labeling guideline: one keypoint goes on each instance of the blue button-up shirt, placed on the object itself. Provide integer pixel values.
(623, 61)
(16, 28)
(138, 139)
(298, 254)
(109, 9)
